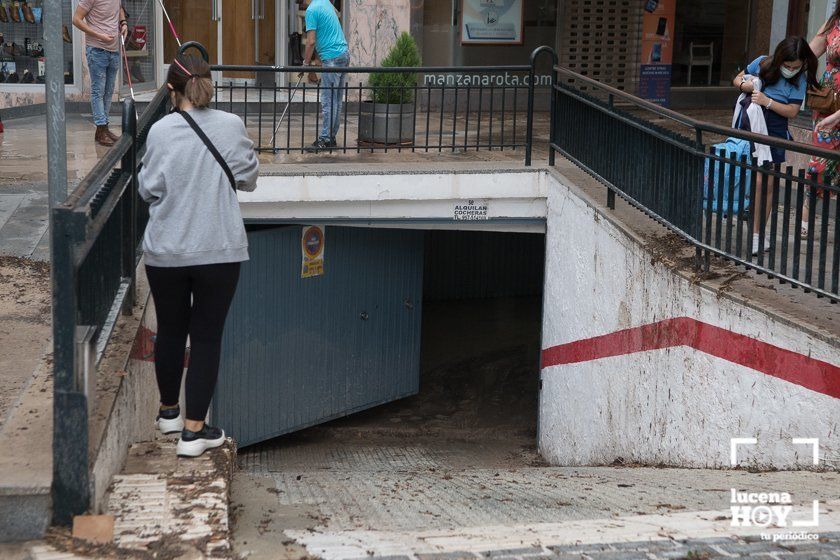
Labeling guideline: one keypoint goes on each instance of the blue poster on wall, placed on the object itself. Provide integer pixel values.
(655, 83)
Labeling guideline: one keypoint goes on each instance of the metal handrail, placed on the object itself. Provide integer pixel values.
(370, 69)
(696, 124)
(683, 185)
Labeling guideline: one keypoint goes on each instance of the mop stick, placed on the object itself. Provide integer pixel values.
(127, 70)
(171, 25)
(291, 97)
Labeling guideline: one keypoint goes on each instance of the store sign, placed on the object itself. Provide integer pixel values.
(312, 251)
(657, 50)
(491, 22)
(138, 37)
(470, 210)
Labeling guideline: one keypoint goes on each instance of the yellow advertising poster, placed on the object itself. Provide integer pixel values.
(312, 251)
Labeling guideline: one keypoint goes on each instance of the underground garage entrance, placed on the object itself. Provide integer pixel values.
(406, 334)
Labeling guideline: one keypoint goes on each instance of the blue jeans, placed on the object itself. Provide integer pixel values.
(103, 66)
(331, 97)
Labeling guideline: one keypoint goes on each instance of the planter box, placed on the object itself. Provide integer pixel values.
(386, 123)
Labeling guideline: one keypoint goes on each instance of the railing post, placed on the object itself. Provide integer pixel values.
(552, 112)
(529, 131)
(129, 204)
(697, 211)
(70, 485)
(532, 72)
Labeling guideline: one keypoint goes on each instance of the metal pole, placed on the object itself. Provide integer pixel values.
(70, 467)
(56, 125)
(529, 133)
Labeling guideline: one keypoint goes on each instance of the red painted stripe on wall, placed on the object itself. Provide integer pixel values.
(793, 367)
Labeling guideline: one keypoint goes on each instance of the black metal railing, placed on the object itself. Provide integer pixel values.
(672, 170)
(452, 116)
(99, 228)
(447, 109)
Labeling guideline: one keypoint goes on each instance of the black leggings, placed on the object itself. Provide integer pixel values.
(194, 301)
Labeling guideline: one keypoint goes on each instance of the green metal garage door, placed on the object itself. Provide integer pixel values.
(301, 351)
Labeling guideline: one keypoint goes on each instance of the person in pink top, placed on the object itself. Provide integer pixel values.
(102, 21)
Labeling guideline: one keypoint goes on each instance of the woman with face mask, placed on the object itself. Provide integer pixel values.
(785, 78)
(195, 161)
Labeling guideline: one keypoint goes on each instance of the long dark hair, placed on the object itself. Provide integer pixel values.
(792, 48)
(832, 21)
(190, 76)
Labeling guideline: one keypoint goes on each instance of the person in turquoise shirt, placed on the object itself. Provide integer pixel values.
(324, 34)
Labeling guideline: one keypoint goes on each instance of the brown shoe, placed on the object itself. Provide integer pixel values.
(27, 13)
(14, 12)
(65, 34)
(102, 137)
(4, 18)
(110, 134)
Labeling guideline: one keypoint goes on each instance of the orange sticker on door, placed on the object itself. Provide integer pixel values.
(312, 251)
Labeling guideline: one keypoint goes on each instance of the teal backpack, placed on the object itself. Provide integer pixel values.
(732, 149)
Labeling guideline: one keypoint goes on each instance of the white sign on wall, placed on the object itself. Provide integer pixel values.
(470, 210)
(491, 22)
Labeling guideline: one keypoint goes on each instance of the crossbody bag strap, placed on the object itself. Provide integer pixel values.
(211, 147)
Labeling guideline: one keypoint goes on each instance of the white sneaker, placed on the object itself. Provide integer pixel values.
(193, 444)
(764, 249)
(170, 421)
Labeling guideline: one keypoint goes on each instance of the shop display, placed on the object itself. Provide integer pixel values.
(22, 42)
(139, 44)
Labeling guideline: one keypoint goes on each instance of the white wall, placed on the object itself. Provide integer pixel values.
(778, 27)
(678, 406)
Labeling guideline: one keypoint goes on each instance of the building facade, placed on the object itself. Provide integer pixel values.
(703, 43)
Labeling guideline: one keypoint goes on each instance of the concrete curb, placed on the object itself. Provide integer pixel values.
(26, 461)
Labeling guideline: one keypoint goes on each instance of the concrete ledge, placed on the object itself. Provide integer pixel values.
(26, 462)
(127, 396)
(415, 193)
(646, 361)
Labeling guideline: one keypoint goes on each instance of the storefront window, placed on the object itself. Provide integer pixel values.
(140, 46)
(22, 43)
(711, 42)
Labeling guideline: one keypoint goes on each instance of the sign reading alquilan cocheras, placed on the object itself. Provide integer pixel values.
(471, 210)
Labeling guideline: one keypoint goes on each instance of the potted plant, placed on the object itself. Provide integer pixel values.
(388, 118)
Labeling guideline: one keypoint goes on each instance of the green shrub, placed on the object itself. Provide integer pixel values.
(397, 87)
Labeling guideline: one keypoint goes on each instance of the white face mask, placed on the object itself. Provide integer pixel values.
(788, 73)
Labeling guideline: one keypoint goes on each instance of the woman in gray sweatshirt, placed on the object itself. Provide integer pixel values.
(194, 243)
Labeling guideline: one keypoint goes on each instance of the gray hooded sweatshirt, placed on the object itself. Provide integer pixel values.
(194, 216)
